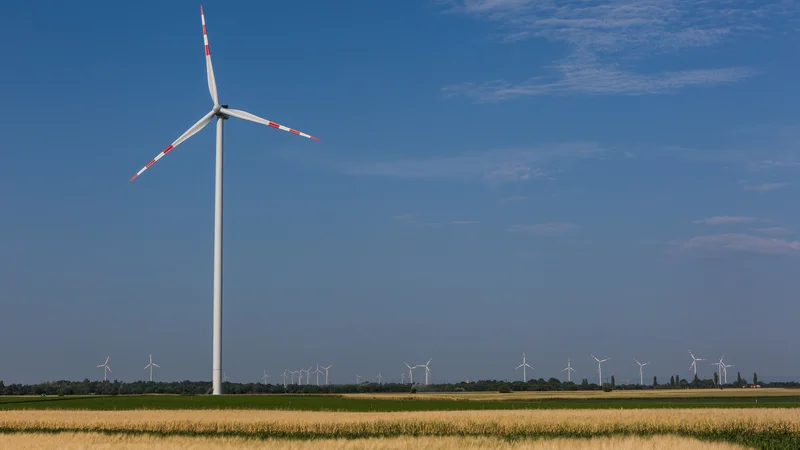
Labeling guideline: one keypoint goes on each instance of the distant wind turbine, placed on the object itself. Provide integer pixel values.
(410, 372)
(600, 368)
(641, 365)
(317, 372)
(265, 377)
(402, 378)
(524, 366)
(693, 365)
(427, 370)
(150, 366)
(308, 375)
(358, 379)
(326, 373)
(225, 377)
(105, 368)
(285, 372)
(569, 369)
(380, 378)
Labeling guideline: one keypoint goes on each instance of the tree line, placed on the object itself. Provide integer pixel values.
(87, 387)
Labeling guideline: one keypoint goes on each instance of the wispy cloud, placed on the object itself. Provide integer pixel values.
(504, 165)
(607, 37)
(724, 220)
(545, 228)
(717, 243)
(766, 187)
(774, 230)
(464, 222)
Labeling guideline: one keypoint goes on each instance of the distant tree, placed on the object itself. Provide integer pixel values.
(716, 379)
(504, 389)
(655, 381)
(613, 381)
(585, 382)
(738, 379)
(755, 378)
(672, 380)
(696, 381)
(677, 380)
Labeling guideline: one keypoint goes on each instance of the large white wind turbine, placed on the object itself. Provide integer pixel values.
(720, 367)
(693, 365)
(221, 112)
(150, 366)
(600, 368)
(105, 368)
(641, 366)
(265, 377)
(569, 369)
(524, 366)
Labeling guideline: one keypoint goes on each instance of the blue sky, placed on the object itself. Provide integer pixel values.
(493, 177)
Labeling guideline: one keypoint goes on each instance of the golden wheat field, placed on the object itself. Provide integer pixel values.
(536, 395)
(76, 441)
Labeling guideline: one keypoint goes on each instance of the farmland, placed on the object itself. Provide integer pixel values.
(771, 428)
(775, 398)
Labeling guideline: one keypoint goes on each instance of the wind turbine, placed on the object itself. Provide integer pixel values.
(410, 372)
(641, 365)
(317, 372)
(524, 366)
(308, 376)
(265, 377)
(150, 366)
(225, 377)
(380, 378)
(402, 378)
(358, 379)
(720, 368)
(326, 373)
(600, 368)
(693, 365)
(105, 368)
(222, 113)
(427, 370)
(292, 372)
(285, 372)
(725, 371)
(300, 376)
(569, 369)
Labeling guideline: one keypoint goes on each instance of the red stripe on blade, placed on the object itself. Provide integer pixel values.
(294, 131)
(167, 150)
(204, 30)
(274, 125)
(208, 53)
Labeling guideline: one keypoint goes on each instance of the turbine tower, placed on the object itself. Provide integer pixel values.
(641, 376)
(308, 375)
(285, 372)
(524, 366)
(600, 368)
(725, 371)
(358, 379)
(693, 365)
(720, 367)
(380, 378)
(105, 368)
(265, 377)
(326, 373)
(150, 366)
(569, 369)
(222, 113)
(402, 378)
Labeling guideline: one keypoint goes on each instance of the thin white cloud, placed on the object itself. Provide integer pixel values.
(774, 230)
(495, 165)
(464, 222)
(545, 228)
(415, 220)
(607, 37)
(724, 220)
(766, 187)
(717, 243)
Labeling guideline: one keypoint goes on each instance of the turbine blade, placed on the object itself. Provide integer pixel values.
(156, 365)
(253, 118)
(109, 369)
(147, 367)
(212, 82)
(189, 133)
